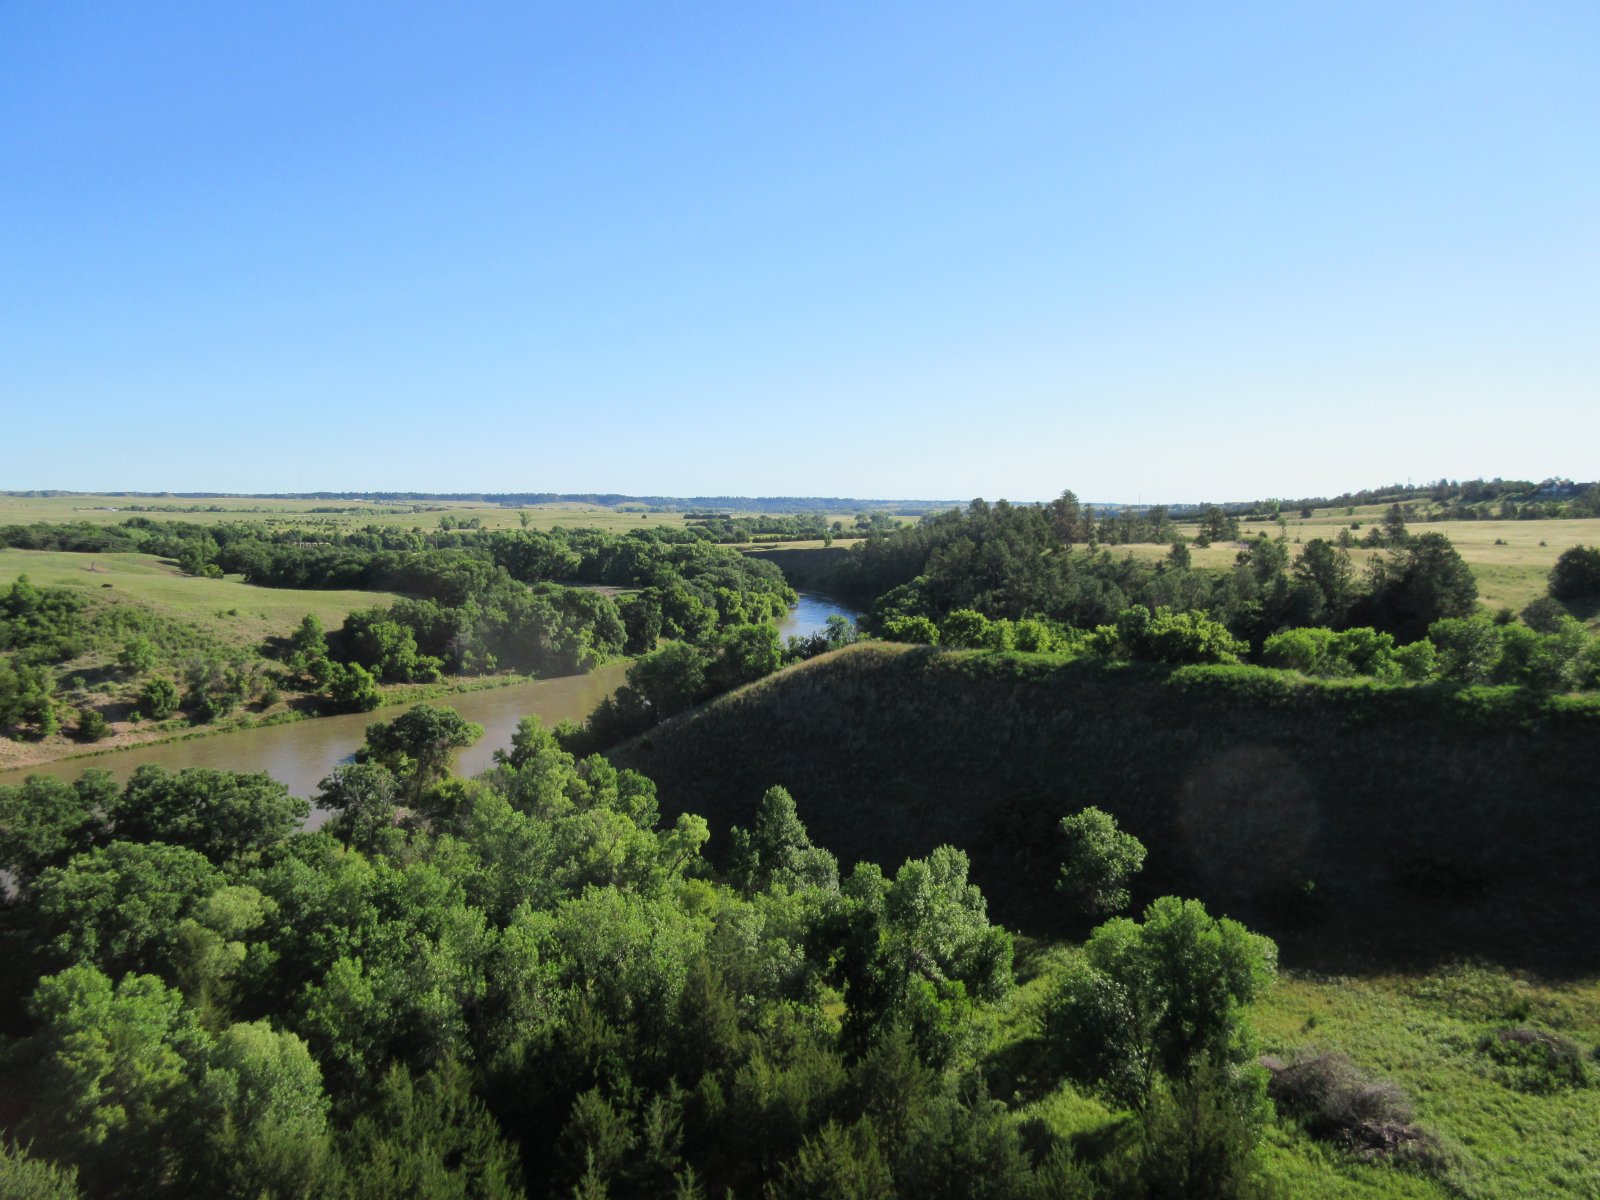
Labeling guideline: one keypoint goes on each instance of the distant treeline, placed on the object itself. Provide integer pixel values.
(771, 504)
(1009, 561)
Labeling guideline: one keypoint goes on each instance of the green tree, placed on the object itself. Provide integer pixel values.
(158, 699)
(777, 849)
(1098, 862)
(225, 815)
(1159, 997)
(1576, 575)
(419, 745)
(362, 797)
(352, 688)
(669, 680)
(265, 1116)
(746, 653)
(92, 725)
(119, 906)
(23, 1177)
(44, 822)
(109, 1067)
(137, 657)
(430, 1138)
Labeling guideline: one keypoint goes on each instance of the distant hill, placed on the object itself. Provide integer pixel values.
(1363, 826)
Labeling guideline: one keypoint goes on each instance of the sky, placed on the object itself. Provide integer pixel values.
(1158, 252)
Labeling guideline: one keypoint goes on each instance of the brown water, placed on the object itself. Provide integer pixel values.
(302, 753)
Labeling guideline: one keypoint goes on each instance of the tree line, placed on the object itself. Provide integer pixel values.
(525, 984)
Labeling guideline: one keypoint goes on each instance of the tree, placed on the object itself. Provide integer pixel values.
(44, 822)
(418, 746)
(1160, 997)
(362, 795)
(777, 849)
(1423, 582)
(1098, 861)
(119, 906)
(23, 1177)
(158, 699)
(669, 680)
(225, 815)
(92, 724)
(746, 653)
(352, 688)
(25, 696)
(1576, 575)
(265, 1116)
(109, 1068)
(137, 656)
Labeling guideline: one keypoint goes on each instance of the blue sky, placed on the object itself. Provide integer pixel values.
(1153, 251)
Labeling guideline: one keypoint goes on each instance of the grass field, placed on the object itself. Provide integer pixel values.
(1511, 560)
(235, 613)
(1418, 1032)
(353, 514)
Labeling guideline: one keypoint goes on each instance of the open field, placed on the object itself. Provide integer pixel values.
(339, 514)
(1419, 1032)
(1510, 559)
(353, 514)
(234, 613)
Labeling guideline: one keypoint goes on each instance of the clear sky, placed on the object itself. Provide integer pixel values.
(1160, 251)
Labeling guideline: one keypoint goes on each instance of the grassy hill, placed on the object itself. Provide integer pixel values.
(1365, 827)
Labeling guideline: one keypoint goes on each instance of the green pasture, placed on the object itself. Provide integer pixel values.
(352, 514)
(1511, 560)
(235, 613)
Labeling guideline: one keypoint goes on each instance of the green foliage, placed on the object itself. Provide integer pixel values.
(1158, 998)
(44, 822)
(23, 1177)
(427, 1137)
(158, 699)
(1169, 637)
(1098, 861)
(138, 656)
(669, 680)
(918, 630)
(351, 687)
(777, 850)
(92, 725)
(418, 746)
(224, 815)
(25, 696)
(119, 906)
(109, 1068)
(1576, 575)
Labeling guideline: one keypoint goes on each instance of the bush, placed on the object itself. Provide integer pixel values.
(1535, 1060)
(1337, 1102)
(158, 699)
(92, 725)
(918, 630)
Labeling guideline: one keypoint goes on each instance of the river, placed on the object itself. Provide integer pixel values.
(302, 753)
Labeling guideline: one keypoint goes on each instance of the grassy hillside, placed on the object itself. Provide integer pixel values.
(1362, 826)
(225, 610)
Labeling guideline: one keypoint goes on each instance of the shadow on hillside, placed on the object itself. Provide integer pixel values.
(1366, 829)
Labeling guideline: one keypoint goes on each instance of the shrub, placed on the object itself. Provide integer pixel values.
(158, 699)
(917, 630)
(1336, 1101)
(92, 725)
(1535, 1060)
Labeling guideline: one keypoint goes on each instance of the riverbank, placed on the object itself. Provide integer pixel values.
(15, 756)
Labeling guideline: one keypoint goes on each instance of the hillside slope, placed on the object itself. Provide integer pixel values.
(1363, 826)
